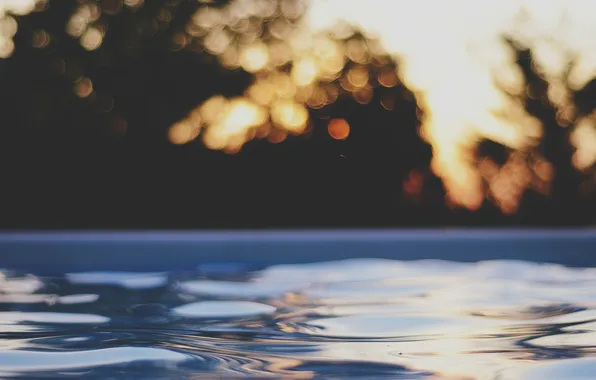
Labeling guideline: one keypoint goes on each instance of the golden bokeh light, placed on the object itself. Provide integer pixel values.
(304, 72)
(262, 92)
(217, 41)
(339, 129)
(357, 51)
(229, 124)
(6, 47)
(584, 138)
(304, 93)
(358, 76)
(280, 53)
(318, 98)
(289, 115)
(241, 115)
(8, 24)
(230, 58)
(254, 57)
(330, 57)
(92, 38)
(284, 87)
(76, 25)
(213, 108)
(17, 7)
(182, 133)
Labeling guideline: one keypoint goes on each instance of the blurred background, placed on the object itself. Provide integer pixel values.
(293, 113)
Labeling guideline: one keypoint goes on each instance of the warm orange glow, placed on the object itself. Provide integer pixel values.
(413, 184)
(262, 131)
(339, 129)
(83, 87)
(363, 95)
(388, 78)
(276, 136)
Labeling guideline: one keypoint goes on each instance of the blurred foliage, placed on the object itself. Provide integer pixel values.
(546, 174)
(93, 88)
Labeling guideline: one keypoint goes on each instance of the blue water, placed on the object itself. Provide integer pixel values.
(365, 319)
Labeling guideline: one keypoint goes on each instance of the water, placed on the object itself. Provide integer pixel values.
(337, 320)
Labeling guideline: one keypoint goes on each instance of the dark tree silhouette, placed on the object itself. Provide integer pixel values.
(85, 138)
(103, 160)
(568, 200)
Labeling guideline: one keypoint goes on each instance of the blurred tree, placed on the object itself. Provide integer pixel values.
(556, 191)
(93, 87)
(94, 90)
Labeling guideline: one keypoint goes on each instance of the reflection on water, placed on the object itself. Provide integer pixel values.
(349, 319)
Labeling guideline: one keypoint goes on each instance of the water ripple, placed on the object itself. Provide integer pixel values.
(349, 319)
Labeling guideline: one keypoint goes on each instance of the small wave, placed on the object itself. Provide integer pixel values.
(349, 319)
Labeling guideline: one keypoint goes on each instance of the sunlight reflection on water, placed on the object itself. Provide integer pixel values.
(375, 318)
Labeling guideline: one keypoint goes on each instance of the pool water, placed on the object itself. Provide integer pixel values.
(348, 319)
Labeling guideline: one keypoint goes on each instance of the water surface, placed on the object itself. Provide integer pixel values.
(347, 319)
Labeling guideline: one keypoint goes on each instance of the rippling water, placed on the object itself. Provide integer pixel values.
(335, 320)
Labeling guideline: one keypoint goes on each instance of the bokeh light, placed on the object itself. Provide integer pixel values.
(8, 25)
(461, 60)
(83, 87)
(451, 57)
(339, 129)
